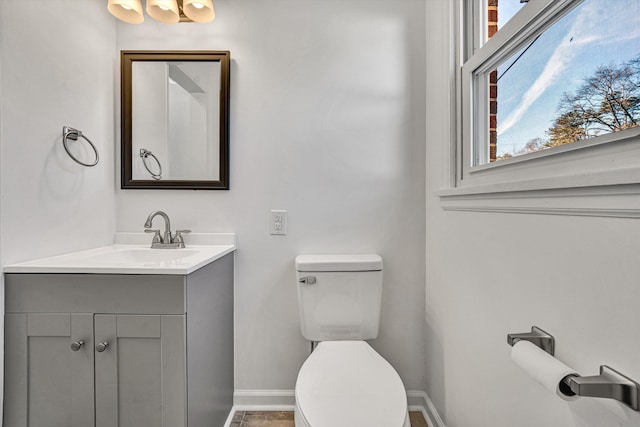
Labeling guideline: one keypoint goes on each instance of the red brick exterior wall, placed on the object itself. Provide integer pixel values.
(492, 15)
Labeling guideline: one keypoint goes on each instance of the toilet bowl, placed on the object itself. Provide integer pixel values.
(344, 382)
(348, 384)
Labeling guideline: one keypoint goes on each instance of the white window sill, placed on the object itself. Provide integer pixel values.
(599, 177)
(595, 195)
(596, 177)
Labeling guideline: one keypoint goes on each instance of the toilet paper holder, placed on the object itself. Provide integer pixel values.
(609, 384)
(538, 337)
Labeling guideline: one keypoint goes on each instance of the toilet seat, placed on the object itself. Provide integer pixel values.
(348, 384)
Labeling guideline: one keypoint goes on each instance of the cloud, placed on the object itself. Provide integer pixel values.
(582, 32)
(552, 70)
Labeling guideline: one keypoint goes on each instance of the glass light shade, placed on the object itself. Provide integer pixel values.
(164, 11)
(129, 11)
(199, 10)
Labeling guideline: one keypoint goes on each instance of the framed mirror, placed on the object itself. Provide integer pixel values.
(175, 119)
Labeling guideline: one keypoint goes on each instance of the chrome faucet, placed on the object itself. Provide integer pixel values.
(166, 241)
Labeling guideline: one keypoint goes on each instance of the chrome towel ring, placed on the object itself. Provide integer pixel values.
(145, 154)
(73, 134)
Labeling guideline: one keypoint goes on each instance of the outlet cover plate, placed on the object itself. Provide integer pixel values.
(278, 223)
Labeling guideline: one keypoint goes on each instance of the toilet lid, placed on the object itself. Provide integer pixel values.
(348, 384)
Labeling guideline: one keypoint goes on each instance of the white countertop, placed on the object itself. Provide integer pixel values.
(131, 254)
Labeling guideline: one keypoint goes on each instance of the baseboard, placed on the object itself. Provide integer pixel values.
(230, 417)
(420, 401)
(264, 400)
(284, 400)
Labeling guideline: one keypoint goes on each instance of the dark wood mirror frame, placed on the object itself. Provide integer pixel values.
(126, 63)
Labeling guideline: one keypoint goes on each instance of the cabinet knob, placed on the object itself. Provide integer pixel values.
(77, 345)
(102, 346)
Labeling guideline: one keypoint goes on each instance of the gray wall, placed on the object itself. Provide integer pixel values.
(489, 274)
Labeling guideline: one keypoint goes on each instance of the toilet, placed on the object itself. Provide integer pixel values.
(344, 382)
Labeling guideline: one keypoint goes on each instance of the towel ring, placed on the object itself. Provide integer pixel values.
(144, 153)
(73, 134)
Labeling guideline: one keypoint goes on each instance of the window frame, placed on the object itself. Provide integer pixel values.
(583, 172)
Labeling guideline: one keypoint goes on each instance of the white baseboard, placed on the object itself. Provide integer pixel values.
(424, 404)
(230, 417)
(284, 400)
(264, 400)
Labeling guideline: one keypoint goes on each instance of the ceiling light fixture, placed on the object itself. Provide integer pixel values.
(167, 11)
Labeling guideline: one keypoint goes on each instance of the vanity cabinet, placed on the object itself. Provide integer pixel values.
(111, 350)
(45, 382)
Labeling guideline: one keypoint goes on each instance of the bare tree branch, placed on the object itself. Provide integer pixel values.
(607, 101)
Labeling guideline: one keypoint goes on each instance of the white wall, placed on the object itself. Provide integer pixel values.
(1, 203)
(57, 62)
(489, 274)
(327, 113)
(327, 122)
(150, 133)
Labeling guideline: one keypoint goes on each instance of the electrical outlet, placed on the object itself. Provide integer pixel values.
(278, 222)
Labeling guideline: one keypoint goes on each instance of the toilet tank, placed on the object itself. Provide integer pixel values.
(339, 296)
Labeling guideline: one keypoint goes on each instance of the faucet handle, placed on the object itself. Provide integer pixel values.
(156, 237)
(178, 237)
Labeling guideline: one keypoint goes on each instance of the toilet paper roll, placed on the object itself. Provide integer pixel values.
(541, 366)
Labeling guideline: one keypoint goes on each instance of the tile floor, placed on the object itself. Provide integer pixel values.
(285, 419)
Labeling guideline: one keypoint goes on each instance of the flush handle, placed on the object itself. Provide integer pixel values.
(309, 280)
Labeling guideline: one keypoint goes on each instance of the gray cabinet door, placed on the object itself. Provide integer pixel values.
(140, 375)
(47, 383)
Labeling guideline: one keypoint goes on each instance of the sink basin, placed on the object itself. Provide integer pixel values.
(142, 255)
(129, 259)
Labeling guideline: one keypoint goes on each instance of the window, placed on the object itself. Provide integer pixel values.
(577, 80)
(549, 96)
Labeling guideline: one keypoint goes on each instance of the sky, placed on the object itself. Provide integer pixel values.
(596, 33)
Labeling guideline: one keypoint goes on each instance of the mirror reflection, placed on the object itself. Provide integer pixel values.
(175, 120)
